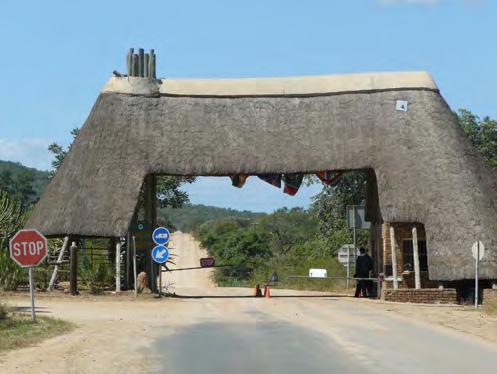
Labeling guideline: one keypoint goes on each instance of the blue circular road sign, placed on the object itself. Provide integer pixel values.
(161, 235)
(160, 254)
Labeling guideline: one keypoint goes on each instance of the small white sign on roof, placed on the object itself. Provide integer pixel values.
(478, 249)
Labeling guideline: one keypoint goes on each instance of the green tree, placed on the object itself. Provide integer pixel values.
(60, 153)
(12, 219)
(481, 133)
(19, 186)
(330, 205)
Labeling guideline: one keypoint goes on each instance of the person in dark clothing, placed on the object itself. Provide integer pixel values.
(363, 265)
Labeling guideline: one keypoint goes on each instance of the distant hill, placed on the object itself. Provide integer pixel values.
(191, 216)
(13, 175)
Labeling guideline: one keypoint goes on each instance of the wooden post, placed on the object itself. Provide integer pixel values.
(73, 280)
(145, 65)
(129, 62)
(128, 266)
(140, 62)
(134, 266)
(394, 258)
(151, 216)
(415, 253)
(118, 266)
(59, 260)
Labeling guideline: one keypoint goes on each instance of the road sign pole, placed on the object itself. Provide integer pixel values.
(32, 293)
(354, 226)
(477, 269)
(348, 266)
(160, 280)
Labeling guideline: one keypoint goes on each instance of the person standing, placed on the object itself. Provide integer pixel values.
(363, 265)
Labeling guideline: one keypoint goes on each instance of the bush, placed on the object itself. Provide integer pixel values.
(4, 311)
(97, 277)
(11, 274)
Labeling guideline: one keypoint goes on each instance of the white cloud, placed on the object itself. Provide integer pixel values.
(30, 152)
(409, 2)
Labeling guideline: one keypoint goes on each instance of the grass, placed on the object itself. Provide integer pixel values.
(18, 330)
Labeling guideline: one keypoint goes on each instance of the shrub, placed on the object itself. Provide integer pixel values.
(4, 311)
(97, 277)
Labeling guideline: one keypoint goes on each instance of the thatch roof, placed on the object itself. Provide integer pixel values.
(426, 169)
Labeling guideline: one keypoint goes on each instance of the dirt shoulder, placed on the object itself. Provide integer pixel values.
(465, 319)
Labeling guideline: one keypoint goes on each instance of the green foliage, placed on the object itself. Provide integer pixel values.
(287, 241)
(244, 249)
(97, 277)
(4, 311)
(12, 219)
(481, 133)
(190, 217)
(169, 193)
(60, 153)
(22, 183)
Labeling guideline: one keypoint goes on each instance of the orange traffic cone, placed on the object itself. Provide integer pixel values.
(267, 293)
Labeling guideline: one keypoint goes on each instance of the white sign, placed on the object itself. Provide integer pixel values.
(401, 105)
(475, 250)
(347, 252)
(318, 273)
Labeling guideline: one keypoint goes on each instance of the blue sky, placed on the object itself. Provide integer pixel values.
(58, 54)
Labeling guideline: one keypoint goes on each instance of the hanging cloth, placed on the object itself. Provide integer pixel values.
(330, 178)
(272, 179)
(292, 183)
(238, 180)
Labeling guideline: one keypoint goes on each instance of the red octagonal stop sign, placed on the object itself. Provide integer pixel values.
(28, 248)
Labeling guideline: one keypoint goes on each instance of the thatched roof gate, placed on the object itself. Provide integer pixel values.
(426, 169)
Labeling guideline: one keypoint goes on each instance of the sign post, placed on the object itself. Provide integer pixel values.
(29, 248)
(160, 253)
(478, 251)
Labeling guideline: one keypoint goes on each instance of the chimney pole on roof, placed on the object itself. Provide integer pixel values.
(129, 62)
(151, 68)
(145, 65)
(141, 59)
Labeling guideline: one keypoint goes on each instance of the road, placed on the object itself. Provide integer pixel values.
(187, 253)
(214, 330)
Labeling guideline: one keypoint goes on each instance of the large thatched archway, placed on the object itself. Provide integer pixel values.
(396, 124)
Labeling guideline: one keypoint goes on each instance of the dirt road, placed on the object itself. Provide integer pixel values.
(225, 330)
(188, 253)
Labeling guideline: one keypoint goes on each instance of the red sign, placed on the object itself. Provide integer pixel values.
(207, 262)
(28, 248)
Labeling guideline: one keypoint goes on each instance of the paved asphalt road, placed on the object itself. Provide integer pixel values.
(326, 336)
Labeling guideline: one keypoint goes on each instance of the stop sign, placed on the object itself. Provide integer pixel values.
(28, 248)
